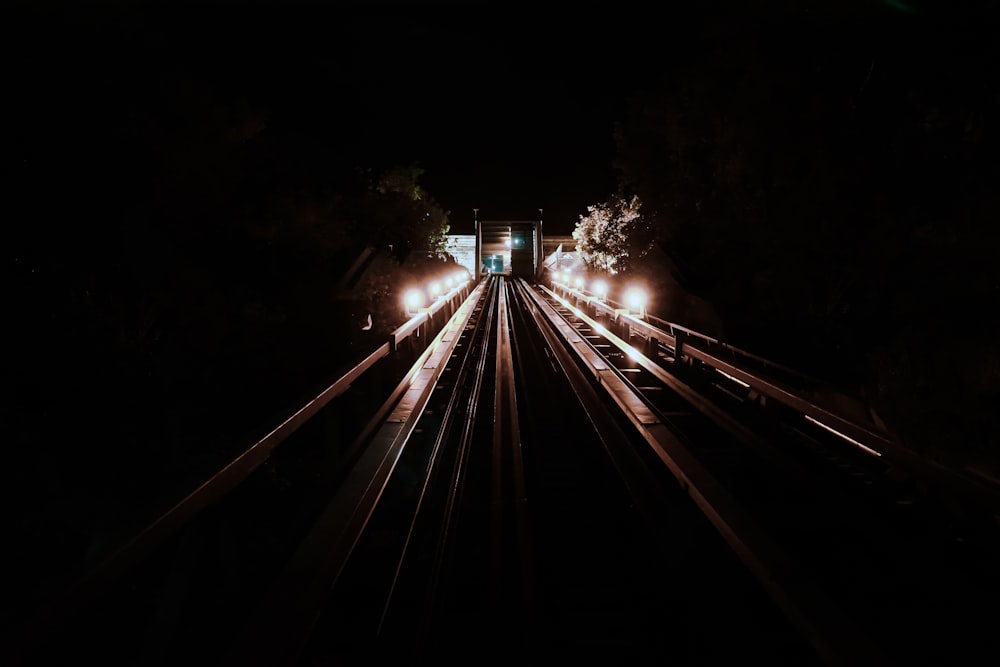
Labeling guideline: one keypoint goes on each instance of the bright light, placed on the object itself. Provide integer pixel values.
(579, 282)
(734, 379)
(635, 299)
(435, 288)
(633, 353)
(842, 436)
(599, 328)
(448, 282)
(600, 288)
(413, 300)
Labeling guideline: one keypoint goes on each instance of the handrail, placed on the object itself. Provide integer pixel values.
(228, 477)
(668, 334)
(610, 307)
(869, 436)
(294, 601)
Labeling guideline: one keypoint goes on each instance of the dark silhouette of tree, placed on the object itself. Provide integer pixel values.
(177, 236)
(827, 182)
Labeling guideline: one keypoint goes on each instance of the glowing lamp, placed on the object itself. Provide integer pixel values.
(635, 299)
(413, 300)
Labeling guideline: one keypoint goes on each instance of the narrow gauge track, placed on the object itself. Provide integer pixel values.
(510, 501)
(178, 588)
(520, 524)
(910, 567)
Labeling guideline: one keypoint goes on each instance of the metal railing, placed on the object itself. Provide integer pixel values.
(805, 399)
(407, 342)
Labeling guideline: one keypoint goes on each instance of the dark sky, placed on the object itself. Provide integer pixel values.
(508, 110)
(508, 107)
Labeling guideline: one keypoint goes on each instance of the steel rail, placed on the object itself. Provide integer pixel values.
(476, 369)
(612, 308)
(703, 405)
(440, 440)
(507, 433)
(876, 442)
(27, 636)
(294, 602)
(833, 635)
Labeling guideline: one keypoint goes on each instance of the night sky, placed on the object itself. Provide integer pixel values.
(507, 108)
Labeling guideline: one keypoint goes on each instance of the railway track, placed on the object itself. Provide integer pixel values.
(899, 548)
(535, 488)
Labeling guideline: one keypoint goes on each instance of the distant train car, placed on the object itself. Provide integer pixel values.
(524, 250)
(510, 247)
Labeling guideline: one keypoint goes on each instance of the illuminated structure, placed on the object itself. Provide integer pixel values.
(513, 247)
(510, 247)
(560, 254)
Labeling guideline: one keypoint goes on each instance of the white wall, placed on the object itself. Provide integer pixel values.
(463, 248)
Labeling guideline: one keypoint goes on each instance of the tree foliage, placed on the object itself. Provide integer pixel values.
(610, 234)
(404, 214)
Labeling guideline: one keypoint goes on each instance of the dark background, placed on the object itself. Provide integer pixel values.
(823, 175)
(508, 108)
